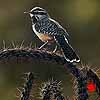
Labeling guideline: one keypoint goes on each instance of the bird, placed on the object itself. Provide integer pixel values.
(49, 30)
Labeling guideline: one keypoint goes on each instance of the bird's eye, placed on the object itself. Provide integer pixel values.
(39, 13)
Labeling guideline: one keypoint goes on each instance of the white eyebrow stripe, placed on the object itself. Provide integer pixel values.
(37, 8)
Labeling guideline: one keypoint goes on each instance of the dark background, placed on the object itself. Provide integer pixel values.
(81, 18)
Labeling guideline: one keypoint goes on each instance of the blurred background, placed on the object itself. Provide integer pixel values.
(81, 19)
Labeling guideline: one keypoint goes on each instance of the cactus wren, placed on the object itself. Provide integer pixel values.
(49, 31)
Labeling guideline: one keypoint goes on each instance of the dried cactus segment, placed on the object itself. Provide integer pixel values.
(25, 94)
(80, 89)
(80, 85)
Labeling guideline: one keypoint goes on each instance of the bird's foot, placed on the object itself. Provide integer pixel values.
(43, 45)
(54, 51)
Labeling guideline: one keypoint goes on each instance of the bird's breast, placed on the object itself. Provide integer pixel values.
(43, 36)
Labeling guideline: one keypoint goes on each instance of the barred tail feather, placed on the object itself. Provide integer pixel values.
(68, 51)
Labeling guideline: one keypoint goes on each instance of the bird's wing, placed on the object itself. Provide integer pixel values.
(60, 28)
(46, 27)
(50, 27)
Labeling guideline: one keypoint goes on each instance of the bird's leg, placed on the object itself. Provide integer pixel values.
(56, 47)
(43, 45)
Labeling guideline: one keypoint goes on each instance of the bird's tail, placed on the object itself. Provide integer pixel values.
(68, 51)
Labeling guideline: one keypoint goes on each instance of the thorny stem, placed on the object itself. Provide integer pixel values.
(80, 89)
(27, 88)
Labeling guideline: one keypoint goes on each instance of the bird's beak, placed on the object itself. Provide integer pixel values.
(27, 12)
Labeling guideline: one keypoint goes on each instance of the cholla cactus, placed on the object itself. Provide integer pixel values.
(51, 90)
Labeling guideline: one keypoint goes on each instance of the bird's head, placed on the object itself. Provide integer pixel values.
(37, 13)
